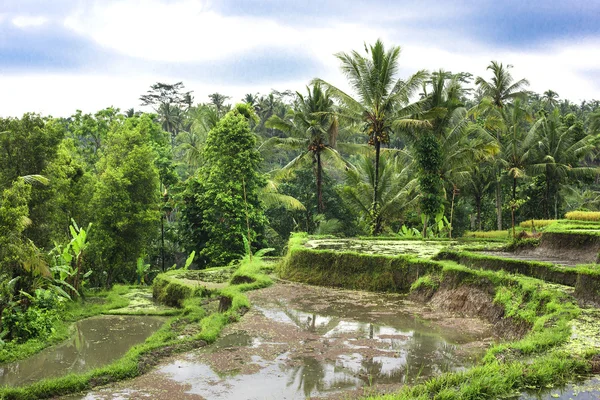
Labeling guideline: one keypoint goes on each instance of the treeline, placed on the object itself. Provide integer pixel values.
(432, 154)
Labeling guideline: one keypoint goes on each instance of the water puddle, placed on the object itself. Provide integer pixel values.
(96, 342)
(586, 390)
(301, 342)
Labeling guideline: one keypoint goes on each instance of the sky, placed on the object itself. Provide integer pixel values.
(63, 55)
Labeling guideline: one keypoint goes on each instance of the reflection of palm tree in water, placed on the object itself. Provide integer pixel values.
(312, 379)
(309, 321)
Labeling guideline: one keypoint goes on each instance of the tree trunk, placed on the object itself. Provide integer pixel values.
(547, 195)
(376, 227)
(499, 202)
(478, 205)
(452, 211)
(320, 205)
(512, 208)
(162, 240)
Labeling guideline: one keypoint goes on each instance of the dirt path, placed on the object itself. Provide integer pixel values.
(301, 342)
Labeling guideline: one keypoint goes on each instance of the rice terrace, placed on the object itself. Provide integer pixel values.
(359, 200)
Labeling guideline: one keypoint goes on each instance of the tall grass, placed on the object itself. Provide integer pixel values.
(583, 215)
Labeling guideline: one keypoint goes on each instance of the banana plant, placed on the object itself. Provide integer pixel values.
(69, 260)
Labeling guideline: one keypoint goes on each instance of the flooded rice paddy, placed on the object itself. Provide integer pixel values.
(302, 342)
(96, 342)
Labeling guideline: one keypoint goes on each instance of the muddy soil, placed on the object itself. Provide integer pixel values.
(301, 342)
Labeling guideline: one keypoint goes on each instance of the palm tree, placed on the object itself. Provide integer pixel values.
(382, 103)
(397, 189)
(171, 118)
(313, 125)
(501, 90)
(558, 152)
(550, 99)
(517, 152)
(218, 100)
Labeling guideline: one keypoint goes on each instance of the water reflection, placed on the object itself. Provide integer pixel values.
(342, 348)
(95, 342)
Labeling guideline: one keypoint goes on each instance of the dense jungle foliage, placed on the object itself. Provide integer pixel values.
(116, 196)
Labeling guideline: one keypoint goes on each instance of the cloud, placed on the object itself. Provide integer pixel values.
(186, 31)
(26, 21)
(95, 53)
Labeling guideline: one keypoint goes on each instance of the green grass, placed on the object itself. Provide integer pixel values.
(494, 235)
(495, 380)
(575, 226)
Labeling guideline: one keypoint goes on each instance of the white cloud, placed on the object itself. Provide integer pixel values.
(27, 21)
(189, 30)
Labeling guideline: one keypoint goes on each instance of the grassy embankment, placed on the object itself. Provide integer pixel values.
(196, 312)
(542, 311)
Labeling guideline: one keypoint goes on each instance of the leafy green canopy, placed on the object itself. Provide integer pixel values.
(222, 204)
(126, 201)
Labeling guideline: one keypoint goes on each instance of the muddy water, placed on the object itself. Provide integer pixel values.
(301, 342)
(586, 390)
(96, 342)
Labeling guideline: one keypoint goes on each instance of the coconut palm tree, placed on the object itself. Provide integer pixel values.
(171, 119)
(502, 88)
(218, 100)
(550, 99)
(501, 91)
(517, 152)
(397, 189)
(313, 125)
(558, 152)
(381, 102)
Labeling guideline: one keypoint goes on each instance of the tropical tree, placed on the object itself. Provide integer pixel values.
(501, 91)
(382, 104)
(126, 201)
(218, 101)
(221, 205)
(558, 152)
(169, 101)
(313, 125)
(397, 190)
(517, 150)
(550, 99)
